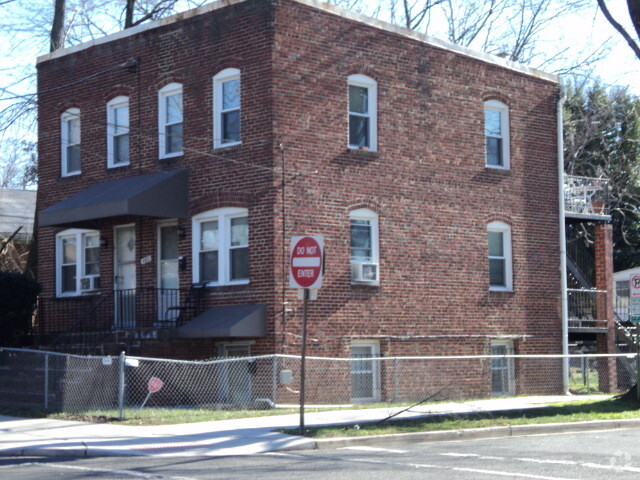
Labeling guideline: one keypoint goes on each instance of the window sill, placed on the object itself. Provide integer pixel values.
(170, 156)
(70, 175)
(230, 284)
(77, 295)
(227, 148)
(363, 152)
(500, 290)
(122, 165)
(497, 168)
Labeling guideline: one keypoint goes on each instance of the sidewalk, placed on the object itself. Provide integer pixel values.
(233, 437)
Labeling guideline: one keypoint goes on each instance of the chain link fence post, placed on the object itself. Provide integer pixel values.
(395, 379)
(274, 373)
(46, 381)
(121, 387)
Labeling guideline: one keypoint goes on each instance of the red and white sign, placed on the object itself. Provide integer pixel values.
(634, 286)
(306, 262)
(155, 384)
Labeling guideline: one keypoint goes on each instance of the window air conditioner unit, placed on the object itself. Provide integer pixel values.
(364, 272)
(89, 284)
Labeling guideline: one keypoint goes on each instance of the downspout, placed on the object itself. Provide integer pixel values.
(563, 252)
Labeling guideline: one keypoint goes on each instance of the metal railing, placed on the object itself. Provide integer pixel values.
(587, 308)
(122, 385)
(586, 196)
(85, 321)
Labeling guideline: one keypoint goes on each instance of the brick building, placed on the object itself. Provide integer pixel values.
(178, 157)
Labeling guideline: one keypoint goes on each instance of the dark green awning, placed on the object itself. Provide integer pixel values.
(227, 321)
(160, 194)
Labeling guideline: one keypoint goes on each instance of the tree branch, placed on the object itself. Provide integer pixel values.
(621, 30)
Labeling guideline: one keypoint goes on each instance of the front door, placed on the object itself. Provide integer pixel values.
(168, 293)
(125, 276)
(237, 385)
(365, 372)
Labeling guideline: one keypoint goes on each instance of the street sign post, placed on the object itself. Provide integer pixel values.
(305, 272)
(154, 385)
(634, 317)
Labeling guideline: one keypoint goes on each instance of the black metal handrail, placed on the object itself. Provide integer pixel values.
(82, 319)
(87, 321)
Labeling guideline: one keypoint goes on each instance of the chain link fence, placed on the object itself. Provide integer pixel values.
(121, 385)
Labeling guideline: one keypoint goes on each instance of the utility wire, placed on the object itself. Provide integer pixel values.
(130, 62)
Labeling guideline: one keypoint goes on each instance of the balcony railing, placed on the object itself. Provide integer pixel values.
(586, 197)
(89, 319)
(587, 308)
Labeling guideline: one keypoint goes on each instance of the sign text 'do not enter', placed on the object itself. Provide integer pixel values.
(306, 262)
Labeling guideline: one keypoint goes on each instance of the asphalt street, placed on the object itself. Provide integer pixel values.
(590, 455)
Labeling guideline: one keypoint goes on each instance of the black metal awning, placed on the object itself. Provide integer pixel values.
(227, 321)
(160, 194)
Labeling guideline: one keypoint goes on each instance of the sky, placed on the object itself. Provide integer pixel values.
(24, 28)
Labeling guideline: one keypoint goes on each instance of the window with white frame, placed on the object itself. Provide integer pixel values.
(170, 117)
(77, 262)
(500, 273)
(221, 246)
(364, 246)
(70, 142)
(362, 112)
(226, 108)
(496, 131)
(118, 132)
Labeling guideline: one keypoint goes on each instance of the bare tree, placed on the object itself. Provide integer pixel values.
(467, 21)
(57, 26)
(147, 11)
(634, 15)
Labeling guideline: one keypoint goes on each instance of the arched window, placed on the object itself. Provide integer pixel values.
(364, 245)
(118, 132)
(362, 113)
(226, 108)
(500, 259)
(221, 246)
(496, 131)
(170, 118)
(70, 142)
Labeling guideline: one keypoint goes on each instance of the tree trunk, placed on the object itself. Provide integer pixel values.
(57, 28)
(128, 14)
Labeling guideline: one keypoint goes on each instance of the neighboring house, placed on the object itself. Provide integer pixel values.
(178, 157)
(17, 210)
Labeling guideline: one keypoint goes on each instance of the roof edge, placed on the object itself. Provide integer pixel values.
(320, 5)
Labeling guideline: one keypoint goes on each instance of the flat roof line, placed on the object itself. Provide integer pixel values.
(320, 5)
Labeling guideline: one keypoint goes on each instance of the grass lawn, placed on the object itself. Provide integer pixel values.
(148, 416)
(609, 409)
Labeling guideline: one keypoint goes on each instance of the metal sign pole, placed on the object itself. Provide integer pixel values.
(303, 356)
(638, 362)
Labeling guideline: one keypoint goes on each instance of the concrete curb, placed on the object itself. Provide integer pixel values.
(475, 433)
(64, 452)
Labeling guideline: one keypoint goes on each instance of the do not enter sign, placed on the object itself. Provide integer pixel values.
(306, 262)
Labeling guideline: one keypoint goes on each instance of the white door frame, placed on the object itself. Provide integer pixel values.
(229, 379)
(124, 322)
(165, 301)
(511, 382)
(374, 347)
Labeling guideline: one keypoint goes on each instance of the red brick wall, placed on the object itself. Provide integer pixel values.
(427, 182)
